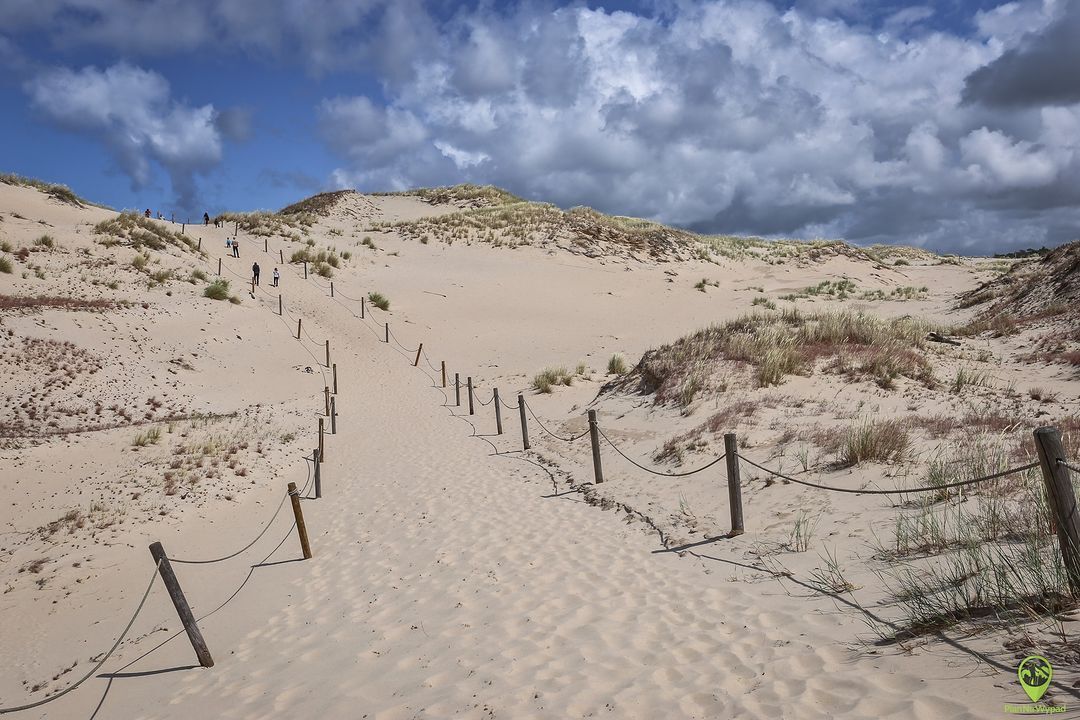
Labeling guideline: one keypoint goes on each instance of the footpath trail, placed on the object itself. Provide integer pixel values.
(447, 582)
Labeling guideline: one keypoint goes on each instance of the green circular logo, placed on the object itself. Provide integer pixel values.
(1035, 674)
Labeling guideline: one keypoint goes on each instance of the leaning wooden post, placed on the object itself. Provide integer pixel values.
(301, 528)
(1062, 501)
(322, 445)
(443, 373)
(734, 484)
(416, 362)
(457, 389)
(219, 267)
(498, 414)
(335, 378)
(333, 415)
(471, 410)
(318, 473)
(280, 308)
(326, 393)
(594, 436)
(299, 322)
(187, 619)
(387, 336)
(327, 353)
(524, 422)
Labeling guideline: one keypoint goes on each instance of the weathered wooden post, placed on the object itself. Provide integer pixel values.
(236, 228)
(387, 333)
(322, 445)
(335, 378)
(252, 286)
(281, 255)
(183, 226)
(498, 413)
(443, 373)
(331, 288)
(457, 389)
(594, 436)
(471, 410)
(363, 303)
(327, 353)
(734, 484)
(280, 307)
(301, 528)
(524, 423)
(187, 619)
(416, 362)
(305, 269)
(219, 267)
(326, 395)
(200, 244)
(266, 245)
(1061, 497)
(299, 322)
(333, 415)
(318, 472)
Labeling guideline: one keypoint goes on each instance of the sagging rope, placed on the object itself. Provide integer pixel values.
(544, 428)
(97, 666)
(657, 472)
(929, 488)
(246, 547)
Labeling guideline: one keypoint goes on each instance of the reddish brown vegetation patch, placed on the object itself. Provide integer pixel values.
(42, 302)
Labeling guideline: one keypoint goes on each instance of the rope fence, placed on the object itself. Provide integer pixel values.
(554, 435)
(657, 472)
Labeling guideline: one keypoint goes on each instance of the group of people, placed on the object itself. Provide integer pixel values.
(255, 275)
(218, 222)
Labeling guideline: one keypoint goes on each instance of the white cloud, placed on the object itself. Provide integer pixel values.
(132, 112)
(1004, 162)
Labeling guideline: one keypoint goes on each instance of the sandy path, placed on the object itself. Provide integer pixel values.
(446, 584)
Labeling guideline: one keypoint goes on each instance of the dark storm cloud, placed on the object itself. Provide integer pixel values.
(1043, 70)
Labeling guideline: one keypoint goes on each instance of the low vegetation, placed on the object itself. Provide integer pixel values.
(135, 231)
(617, 365)
(217, 290)
(59, 192)
(379, 300)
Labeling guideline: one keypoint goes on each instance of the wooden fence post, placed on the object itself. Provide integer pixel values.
(236, 228)
(331, 288)
(734, 484)
(219, 267)
(457, 389)
(333, 415)
(305, 269)
(299, 322)
(200, 244)
(387, 335)
(322, 445)
(281, 255)
(471, 410)
(187, 619)
(498, 413)
(524, 422)
(327, 353)
(363, 304)
(335, 378)
(301, 528)
(266, 245)
(416, 362)
(318, 472)
(1061, 498)
(326, 395)
(280, 308)
(183, 227)
(443, 373)
(594, 436)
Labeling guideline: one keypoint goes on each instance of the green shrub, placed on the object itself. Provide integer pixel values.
(379, 300)
(197, 276)
(875, 441)
(616, 365)
(550, 377)
(368, 242)
(6, 265)
(217, 290)
(45, 241)
(139, 262)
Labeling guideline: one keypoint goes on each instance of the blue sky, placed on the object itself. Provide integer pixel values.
(954, 125)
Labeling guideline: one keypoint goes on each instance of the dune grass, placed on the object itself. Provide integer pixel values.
(379, 300)
(6, 266)
(617, 365)
(217, 290)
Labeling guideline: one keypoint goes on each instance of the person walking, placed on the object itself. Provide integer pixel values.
(235, 248)
(228, 246)
(255, 273)
(147, 213)
(206, 219)
(277, 275)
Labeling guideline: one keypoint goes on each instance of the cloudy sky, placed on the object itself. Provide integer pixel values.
(953, 124)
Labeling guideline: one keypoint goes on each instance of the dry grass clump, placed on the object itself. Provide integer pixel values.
(789, 343)
(6, 266)
(45, 242)
(217, 290)
(135, 231)
(465, 194)
(874, 441)
(320, 204)
(147, 437)
(41, 302)
(548, 378)
(266, 224)
(617, 365)
(379, 300)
